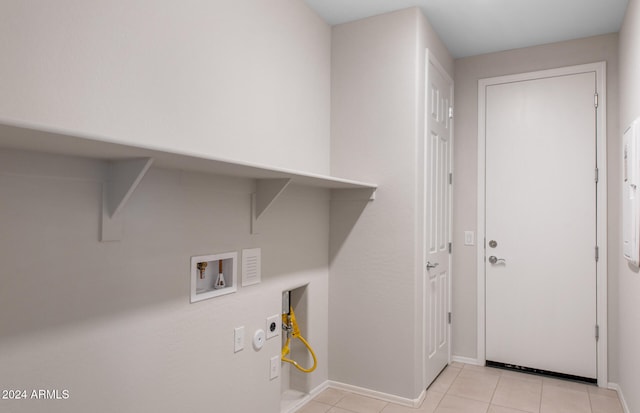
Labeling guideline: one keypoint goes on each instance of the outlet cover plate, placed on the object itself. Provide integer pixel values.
(274, 367)
(277, 320)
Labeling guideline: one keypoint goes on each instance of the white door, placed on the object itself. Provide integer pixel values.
(541, 224)
(437, 221)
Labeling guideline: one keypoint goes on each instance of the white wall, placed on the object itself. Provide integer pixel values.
(468, 72)
(112, 322)
(629, 278)
(376, 133)
(232, 79)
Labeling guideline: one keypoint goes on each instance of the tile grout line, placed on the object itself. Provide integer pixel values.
(518, 379)
(590, 401)
(494, 391)
(448, 387)
(541, 392)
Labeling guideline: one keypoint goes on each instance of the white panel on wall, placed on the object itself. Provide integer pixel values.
(630, 201)
(251, 266)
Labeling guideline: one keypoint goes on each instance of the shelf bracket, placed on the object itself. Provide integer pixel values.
(267, 191)
(358, 194)
(123, 178)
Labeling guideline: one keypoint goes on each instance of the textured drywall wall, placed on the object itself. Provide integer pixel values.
(112, 323)
(376, 133)
(467, 73)
(232, 79)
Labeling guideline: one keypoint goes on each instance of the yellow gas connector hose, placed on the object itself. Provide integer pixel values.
(290, 320)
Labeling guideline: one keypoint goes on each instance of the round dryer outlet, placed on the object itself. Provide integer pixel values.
(258, 339)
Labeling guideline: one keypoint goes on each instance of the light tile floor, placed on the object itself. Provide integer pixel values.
(463, 388)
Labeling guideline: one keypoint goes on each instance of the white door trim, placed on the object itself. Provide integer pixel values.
(601, 146)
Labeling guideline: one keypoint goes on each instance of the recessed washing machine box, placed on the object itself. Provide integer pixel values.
(213, 275)
(631, 193)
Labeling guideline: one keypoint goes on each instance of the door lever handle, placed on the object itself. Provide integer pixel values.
(430, 266)
(495, 260)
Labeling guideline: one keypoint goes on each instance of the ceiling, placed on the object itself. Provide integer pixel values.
(473, 27)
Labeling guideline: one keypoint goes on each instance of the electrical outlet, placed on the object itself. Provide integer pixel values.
(258, 339)
(274, 368)
(274, 326)
(238, 339)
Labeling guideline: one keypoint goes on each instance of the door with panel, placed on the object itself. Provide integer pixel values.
(540, 218)
(437, 200)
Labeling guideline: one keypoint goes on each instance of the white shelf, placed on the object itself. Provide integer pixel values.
(129, 164)
(54, 141)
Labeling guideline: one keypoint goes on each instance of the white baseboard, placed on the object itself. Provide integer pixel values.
(466, 360)
(307, 398)
(414, 403)
(297, 405)
(322, 387)
(623, 402)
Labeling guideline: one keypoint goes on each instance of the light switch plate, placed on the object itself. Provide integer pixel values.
(469, 238)
(238, 339)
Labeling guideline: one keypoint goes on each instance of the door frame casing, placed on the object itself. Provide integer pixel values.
(601, 204)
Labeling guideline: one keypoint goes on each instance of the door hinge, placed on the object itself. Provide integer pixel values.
(449, 317)
(450, 178)
(595, 100)
(450, 248)
(597, 332)
(450, 112)
(597, 175)
(597, 254)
